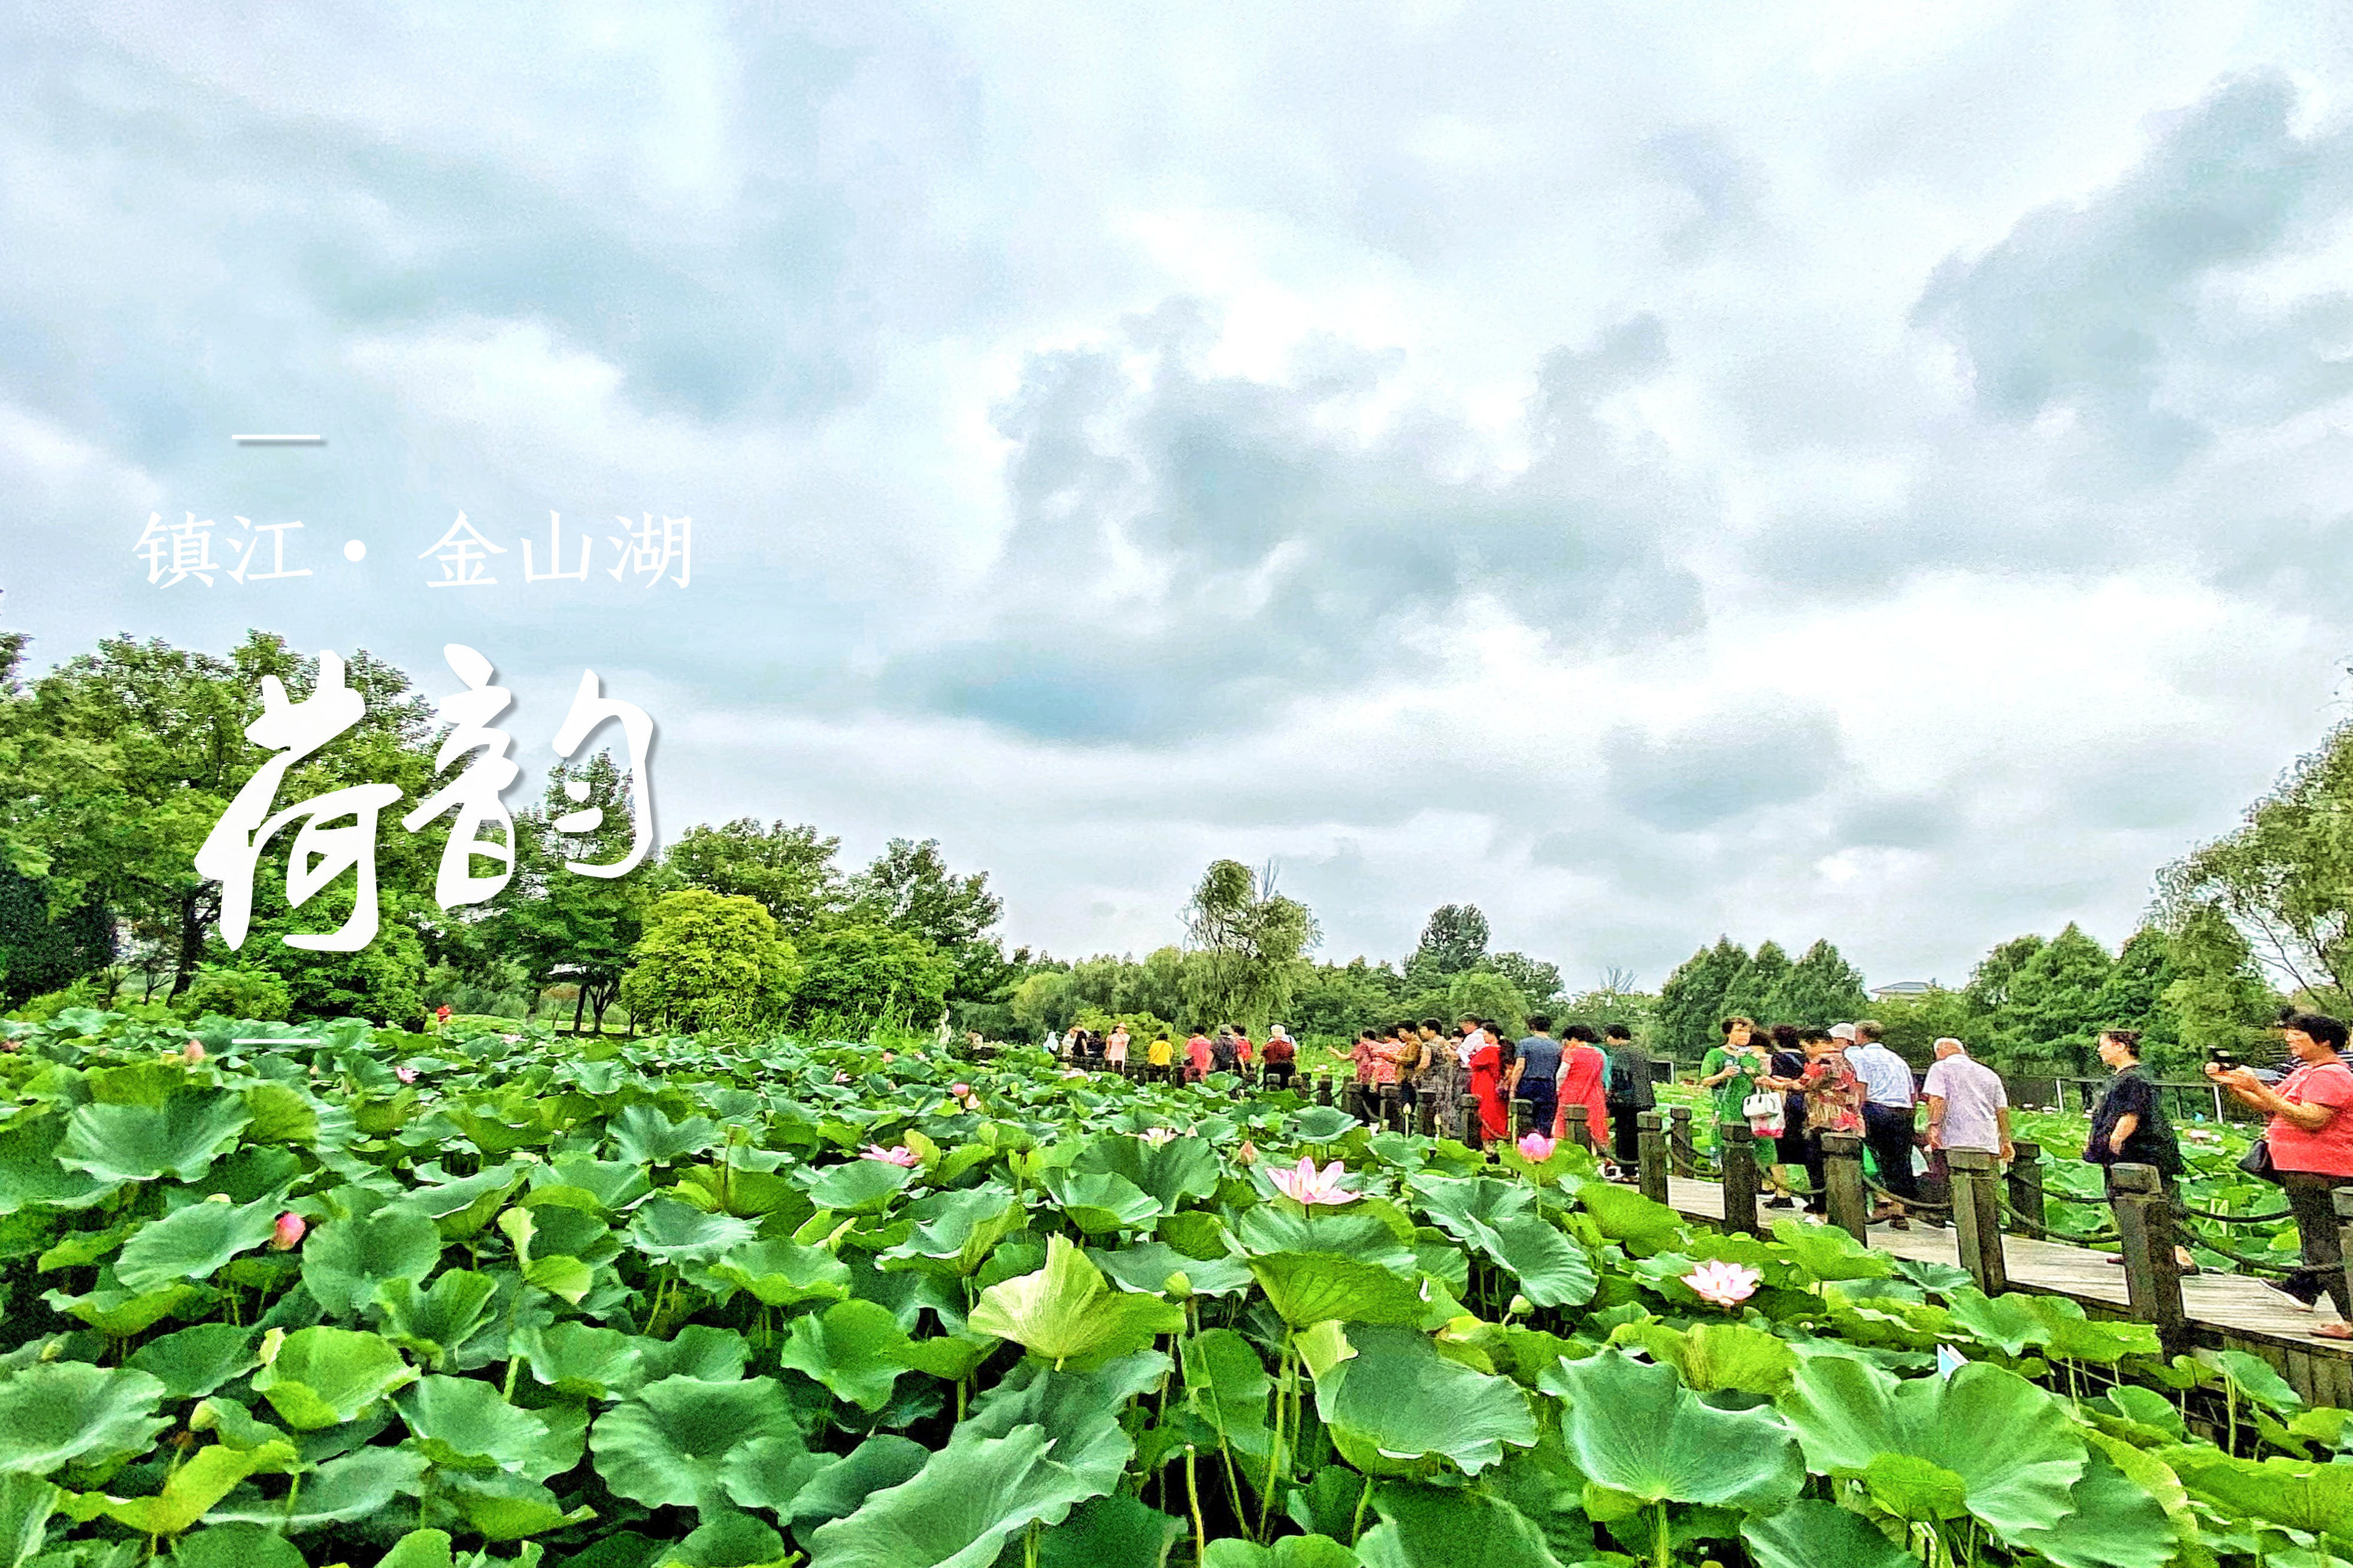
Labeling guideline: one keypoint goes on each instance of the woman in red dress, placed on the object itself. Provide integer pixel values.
(1582, 1067)
(1484, 1055)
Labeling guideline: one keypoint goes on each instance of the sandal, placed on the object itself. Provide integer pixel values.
(2332, 1331)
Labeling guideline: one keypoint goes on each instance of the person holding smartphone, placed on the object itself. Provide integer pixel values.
(2310, 1135)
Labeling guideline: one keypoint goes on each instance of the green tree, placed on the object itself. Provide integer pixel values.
(910, 889)
(2218, 994)
(857, 975)
(1914, 1024)
(788, 868)
(2133, 997)
(1249, 946)
(2285, 877)
(1749, 991)
(1452, 939)
(2054, 1008)
(1536, 981)
(42, 949)
(1691, 1003)
(709, 961)
(1337, 999)
(1989, 989)
(1043, 1001)
(1821, 988)
(563, 927)
(1484, 993)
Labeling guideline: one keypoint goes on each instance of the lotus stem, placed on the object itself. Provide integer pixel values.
(1193, 1497)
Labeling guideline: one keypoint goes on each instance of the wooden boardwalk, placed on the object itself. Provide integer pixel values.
(2226, 1311)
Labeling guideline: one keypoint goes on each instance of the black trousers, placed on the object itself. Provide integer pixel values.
(1279, 1073)
(1887, 1133)
(1625, 1138)
(2316, 1227)
(1543, 1103)
(1817, 1201)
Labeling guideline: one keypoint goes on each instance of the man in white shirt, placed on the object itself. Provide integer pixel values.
(1887, 1116)
(1967, 1107)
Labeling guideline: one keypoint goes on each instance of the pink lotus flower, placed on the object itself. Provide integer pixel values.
(1726, 1284)
(1247, 1154)
(841, 1078)
(1160, 1135)
(442, 1012)
(961, 1090)
(287, 1231)
(193, 1051)
(891, 1156)
(1308, 1186)
(1535, 1148)
(406, 1075)
(886, 1055)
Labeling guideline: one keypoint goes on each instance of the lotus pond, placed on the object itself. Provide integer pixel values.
(344, 1295)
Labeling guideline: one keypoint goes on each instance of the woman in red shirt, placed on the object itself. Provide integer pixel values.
(1584, 1072)
(2311, 1141)
(1484, 1055)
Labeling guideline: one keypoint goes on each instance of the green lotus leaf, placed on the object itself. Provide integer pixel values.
(728, 1541)
(860, 1187)
(462, 1207)
(499, 1507)
(612, 1184)
(580, 1361)
(956, 1230)
(281, 1115)
(2253, 1377)
(345, 1260)
(194, 1362)
(193, 1487)
(1148, 1266)
(2105, 1340)
(850, 1348)
(1394, 1404)
(1810, 1534)
(1067, 1312)
(180, 1138)
(1829, 1253)
(1633, 1427)
(698, 1350)
(1229, 1385)
(842, 1488)
(1626, 1217)
(2006, 1322)
(2009, 1446)
(669, 1231)
(81, 1248)
(322, 1377)
(1323, 1124)
(780, 1272)
(1425, 1527)
(770, 1473)
(32, 1176)
(433, 1323)
(461, 1424)
(1290, 1552)
(1311, 1287)
(113, 1311)
(670, 1444)
(1116, 1530)
(1078, 1412)
(746, 1194)
(959, 1511)
(558, 1276)
(1711, 1356)
(1352, 1233)
(643, 1135)
(338, 1491)
(1168, 1172)
(55, 1411)
(2110, 1522)
(237, 1546)
(951, 1356)
(419, 1549)
(2297, 1494)
(192, 1242)
(1551, 1269)
(1099, 1204)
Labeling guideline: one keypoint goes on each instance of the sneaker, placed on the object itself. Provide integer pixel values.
(1780, 1202)
(1899, 1223)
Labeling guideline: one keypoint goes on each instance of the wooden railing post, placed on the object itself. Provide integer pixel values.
(1466, 1118)
(1650, 1155)
(1977, 1217)
(1736, 1152)
(1573, 1118)
(1524, 1118)
(2025, 1183)
(1392, 1113)
(2343, 1198)
(1679, 1137)
(2152, 1278)
(1849, 1207)
(1425, 1112)
(1324, 1089)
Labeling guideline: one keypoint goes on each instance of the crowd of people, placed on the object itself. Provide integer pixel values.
(1791, 1085)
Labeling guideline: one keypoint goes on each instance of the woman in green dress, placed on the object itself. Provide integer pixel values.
(1730, 1072)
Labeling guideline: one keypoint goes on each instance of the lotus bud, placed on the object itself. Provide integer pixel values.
(1520, 1307)
(193, 1051)
(287, 1231)
(1247, 1154)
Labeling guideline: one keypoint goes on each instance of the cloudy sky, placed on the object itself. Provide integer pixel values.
(1873, 470)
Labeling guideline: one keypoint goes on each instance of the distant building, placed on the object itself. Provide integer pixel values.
(1903, 991)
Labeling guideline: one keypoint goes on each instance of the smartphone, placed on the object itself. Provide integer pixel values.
(2225, 1057)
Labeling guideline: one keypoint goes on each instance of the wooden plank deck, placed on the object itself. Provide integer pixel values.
(2226, 1311)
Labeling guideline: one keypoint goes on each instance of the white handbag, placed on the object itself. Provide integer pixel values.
(1761, 1104)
